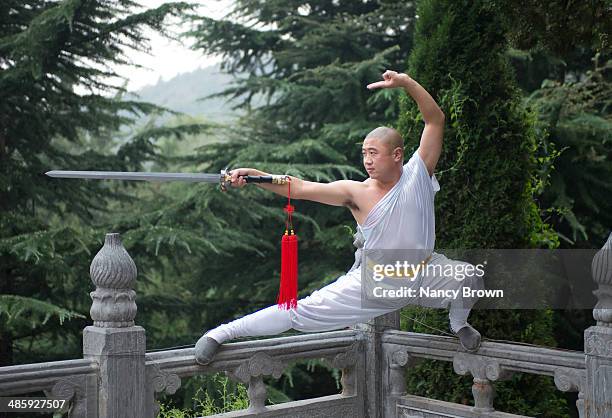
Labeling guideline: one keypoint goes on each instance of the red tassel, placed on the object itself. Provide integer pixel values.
(287, 294)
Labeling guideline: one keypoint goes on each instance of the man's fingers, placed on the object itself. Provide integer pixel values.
(237, 177)
(238, 181)
(376, 85)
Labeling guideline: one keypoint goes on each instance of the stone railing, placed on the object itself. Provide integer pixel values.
(117, 378)
(248, 362)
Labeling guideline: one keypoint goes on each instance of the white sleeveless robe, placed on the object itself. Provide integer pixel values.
(403, 219)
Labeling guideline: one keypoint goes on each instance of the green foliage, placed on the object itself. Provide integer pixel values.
(216, 394)
(489, 177)
(60, 110)
(33, 311)
(473, 85)
(302, 69)
(227, 397)
(571, 32)
(575, 122)
(205, 257)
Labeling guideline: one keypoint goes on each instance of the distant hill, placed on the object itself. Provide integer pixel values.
(182, 92)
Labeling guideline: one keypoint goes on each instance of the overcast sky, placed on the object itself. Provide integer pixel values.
(169, 58)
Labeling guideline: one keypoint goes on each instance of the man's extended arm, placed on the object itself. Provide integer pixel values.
(430, 146)
(337, 193)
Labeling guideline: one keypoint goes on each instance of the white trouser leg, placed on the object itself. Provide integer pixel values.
(460, 306)
(334, 306)
(267, 321)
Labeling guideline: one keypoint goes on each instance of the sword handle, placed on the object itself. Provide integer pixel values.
(265, 179)
(257, 179)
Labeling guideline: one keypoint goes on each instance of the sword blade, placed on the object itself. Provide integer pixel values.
(129, 175)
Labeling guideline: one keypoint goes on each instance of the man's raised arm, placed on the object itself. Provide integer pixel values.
(430, 146)
(337, 193)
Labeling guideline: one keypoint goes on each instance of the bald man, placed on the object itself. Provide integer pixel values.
(394, 209)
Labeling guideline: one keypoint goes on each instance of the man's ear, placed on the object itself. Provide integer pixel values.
(397, 154)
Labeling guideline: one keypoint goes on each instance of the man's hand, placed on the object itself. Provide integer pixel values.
(237, 179)
(391, 79)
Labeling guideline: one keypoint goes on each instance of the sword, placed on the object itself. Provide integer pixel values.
(223, 178)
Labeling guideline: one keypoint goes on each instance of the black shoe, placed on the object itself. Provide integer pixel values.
(469, 338)
(205, 350)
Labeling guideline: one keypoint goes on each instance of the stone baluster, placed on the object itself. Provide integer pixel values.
(598, 339)
(395, 361)
(114, 341)
(251, 373)
(484, 371)
(257, 394)
(347, 363)
(571, 380)
(158, 381)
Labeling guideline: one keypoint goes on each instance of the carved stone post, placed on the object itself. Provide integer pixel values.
(375, 384)
(483, 371)
(113, 341)
(251, 373)
(395, 362)
(571, 380)
(598, 339)
(347, 362)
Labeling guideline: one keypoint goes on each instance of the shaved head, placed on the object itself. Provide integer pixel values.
(383, 155)
(389, 136)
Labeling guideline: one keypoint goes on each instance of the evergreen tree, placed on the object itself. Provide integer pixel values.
(316, 113)
(565, 33)
(576, 124)
(562, 55)
(305, 89)
(56, 79)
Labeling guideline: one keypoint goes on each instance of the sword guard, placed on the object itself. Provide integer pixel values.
(225, 180)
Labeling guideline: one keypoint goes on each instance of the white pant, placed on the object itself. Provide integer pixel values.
(338, 305)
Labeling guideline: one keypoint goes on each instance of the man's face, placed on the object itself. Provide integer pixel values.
(378, 159)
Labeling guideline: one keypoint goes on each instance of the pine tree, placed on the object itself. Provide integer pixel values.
(563, 61)
(576, 119)
(57, 83)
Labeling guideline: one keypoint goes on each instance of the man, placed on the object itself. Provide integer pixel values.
(393, 209)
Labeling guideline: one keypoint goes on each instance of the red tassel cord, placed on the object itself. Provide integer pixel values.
(287, 294)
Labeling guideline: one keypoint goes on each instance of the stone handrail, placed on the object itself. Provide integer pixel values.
(231, 355)
(511, 357)
(28, 378)
(246, 362)
(74, 380)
